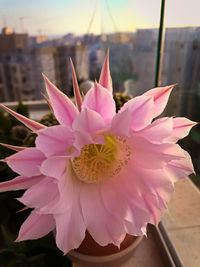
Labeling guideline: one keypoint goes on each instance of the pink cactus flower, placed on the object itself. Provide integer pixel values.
(110, 173)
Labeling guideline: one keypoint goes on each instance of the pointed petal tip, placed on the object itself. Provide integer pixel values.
(44, 76)
(105, 78)
(48, 101)
(107, 56)
(16, 148)
(76, 87)
(23, 209)
(64, 110)
(71, 62)
(33, 125)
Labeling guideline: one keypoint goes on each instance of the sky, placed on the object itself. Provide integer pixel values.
(58, 17)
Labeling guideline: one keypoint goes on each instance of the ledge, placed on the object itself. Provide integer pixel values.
(182, 222)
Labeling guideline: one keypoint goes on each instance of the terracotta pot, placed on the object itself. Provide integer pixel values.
(91, 254)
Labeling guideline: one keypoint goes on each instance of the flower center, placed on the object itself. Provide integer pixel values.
(97, 162)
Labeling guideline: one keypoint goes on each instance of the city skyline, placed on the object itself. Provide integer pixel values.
(53, 17)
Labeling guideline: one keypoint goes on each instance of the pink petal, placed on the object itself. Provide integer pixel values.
(76, 87)
(20, 182)
(16, 148)
(70, 228)
(152, 204)
(54, 166)
(158, 131)
(87, 126)
(160, 97)
(114, 197)
(142, 110)
(101, 101)
(153, 156)
(82, 139)
(105, 78)
(69, 187)
(88, 121)
(26, 162)
(181, 168)
(55, 140)
(146, 190)
(125, 202)
(40, 194)
(121, 123)
(181, 128)
(34, 126)
(64, 109)
(36, 226)
(103, 227)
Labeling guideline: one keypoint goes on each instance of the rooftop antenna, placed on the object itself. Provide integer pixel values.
(4, 21)
(111, 16)
(92, 18)
(21, 19)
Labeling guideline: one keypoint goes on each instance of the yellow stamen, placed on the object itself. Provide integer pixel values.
(97, 162)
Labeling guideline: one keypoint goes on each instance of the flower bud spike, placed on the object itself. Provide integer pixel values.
(105, 78)
(76, 87)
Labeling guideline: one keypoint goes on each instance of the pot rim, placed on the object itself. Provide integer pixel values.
(106, 258)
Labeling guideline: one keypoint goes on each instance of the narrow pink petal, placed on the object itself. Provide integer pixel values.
(101, 101)
(105, 77)
(158, 131)
(48, 101)
(142, 110)
(36, 226)
(34, 126)
(160, 96)
(55, 140)
(16, 148)
(104, 227)
(26, 162)
(64, 109)
(20, 182)
(40, 194)
(181, 128)
(153, 156)
(121, 123)
(76, 87)
(181, 168)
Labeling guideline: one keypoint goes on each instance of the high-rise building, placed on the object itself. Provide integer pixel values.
(12, 42)
(3, 86)
(79, 56)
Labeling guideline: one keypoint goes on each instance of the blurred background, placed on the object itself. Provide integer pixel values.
(39, 37)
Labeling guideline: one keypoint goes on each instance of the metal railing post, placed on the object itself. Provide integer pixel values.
(160, 46)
